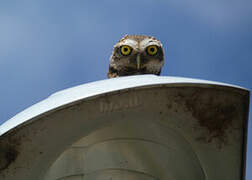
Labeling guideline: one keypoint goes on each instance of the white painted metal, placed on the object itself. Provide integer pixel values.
(96, 88)
(136, 127)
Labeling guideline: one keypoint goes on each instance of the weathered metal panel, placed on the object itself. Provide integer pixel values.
(139, 127)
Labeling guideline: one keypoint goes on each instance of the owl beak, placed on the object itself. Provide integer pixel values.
(138, 59)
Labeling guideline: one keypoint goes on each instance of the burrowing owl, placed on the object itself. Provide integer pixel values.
(136, 54)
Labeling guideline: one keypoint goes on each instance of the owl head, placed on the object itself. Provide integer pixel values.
(136, 54)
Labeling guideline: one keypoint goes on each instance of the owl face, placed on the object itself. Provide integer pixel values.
(136, 54)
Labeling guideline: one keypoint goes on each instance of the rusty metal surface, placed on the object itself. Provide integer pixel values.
(97, 88)
(210, 118)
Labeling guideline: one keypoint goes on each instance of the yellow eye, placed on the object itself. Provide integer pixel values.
(152, 50)
(126, 50)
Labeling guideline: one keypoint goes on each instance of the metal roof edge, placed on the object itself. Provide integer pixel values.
(96, 88)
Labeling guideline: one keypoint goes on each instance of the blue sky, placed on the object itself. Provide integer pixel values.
(46, 46)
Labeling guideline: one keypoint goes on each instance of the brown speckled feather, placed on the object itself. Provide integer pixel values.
(136, 37)
(126, 65)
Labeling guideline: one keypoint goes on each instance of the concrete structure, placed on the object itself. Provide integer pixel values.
(139, 128)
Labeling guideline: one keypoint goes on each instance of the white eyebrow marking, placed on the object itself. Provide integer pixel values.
(129, 42)
(148, 42)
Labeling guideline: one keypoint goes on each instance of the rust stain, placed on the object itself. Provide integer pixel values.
(9, 148)
(8, 154)
(213, 112)
(13, 142)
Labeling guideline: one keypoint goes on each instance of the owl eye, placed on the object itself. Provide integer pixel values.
(152, 50)
(126, 50)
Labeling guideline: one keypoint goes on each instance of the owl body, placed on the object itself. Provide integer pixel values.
(136, 54)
